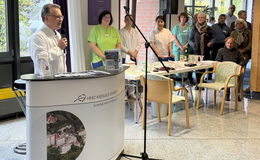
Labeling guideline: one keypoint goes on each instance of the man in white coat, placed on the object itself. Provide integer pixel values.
(46, 46)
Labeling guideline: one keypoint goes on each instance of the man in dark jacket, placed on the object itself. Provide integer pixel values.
(230, 53)
(243, 15)
(220, 32)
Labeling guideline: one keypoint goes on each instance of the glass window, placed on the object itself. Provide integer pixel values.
(188, 2)
(240, 5)
(29, 21)
(3, 27)
(222, 7)
(202, 3)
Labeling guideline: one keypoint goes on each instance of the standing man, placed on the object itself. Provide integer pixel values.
(242, 15)
(230, 17)
(220, 33)
(46, 46)
(130, 41)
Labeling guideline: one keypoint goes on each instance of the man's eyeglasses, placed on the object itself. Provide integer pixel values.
(57, 17)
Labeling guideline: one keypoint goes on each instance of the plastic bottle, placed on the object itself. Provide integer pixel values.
(143, 66)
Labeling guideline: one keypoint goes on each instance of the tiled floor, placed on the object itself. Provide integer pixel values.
(232, 136)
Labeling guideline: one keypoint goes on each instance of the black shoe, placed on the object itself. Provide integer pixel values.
(227, 98)
(238, 98)
(197, 88)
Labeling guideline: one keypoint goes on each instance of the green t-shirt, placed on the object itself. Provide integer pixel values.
(105, 39)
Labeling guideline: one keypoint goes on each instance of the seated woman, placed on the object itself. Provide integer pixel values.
(230, 53)
(103, 37)
(160, 40)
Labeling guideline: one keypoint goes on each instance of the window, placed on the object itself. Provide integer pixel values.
(222, 7)
(3, 27)
(29, 21)
(240, 5)
(202, 3)
(188, 2)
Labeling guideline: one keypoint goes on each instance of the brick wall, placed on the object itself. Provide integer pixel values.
(146, 12)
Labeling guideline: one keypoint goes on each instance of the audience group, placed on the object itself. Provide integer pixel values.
(230, 39)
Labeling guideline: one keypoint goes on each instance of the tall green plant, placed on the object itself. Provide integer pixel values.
(25, 9)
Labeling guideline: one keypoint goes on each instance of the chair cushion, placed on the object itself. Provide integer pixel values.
(176, 98)
(216, 85)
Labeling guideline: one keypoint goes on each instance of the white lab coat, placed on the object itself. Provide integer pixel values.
(43, 48)
(130, 41)
(161, 40)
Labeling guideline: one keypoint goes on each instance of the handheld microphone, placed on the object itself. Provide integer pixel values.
(63, 35)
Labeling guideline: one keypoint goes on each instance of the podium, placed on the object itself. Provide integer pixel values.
(75, 117)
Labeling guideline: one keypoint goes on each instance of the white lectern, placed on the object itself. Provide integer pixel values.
(75, 117)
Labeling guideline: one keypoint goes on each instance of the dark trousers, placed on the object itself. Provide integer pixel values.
(240, 81)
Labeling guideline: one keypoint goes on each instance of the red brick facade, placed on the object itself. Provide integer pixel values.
(146, 12)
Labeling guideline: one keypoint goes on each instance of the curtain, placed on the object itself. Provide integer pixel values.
(65, 29)
(76, 31)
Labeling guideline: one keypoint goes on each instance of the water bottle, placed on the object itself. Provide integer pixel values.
(143, 66)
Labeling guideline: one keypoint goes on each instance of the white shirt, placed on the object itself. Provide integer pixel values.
(161, 40)
(44, 50)
(130, 41)
(229, 19)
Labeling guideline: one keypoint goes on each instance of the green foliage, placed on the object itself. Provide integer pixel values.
(53, 153)
(209, 10)
(25, 9)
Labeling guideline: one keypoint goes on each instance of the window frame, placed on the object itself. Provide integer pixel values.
(12, 56)
(212, 4)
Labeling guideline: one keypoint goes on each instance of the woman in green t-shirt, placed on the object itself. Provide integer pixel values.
(103, 37)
